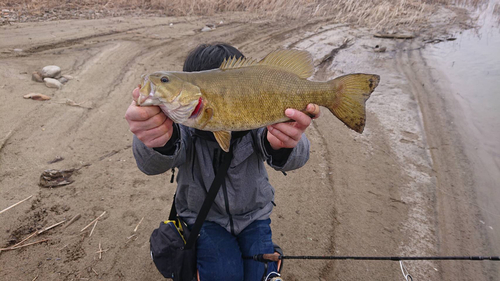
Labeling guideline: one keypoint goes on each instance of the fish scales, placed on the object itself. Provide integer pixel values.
(255, 96)
(244, 94)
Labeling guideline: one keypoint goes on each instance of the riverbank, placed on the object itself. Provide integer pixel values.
(371, 194)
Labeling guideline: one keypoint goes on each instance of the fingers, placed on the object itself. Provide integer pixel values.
(273, 140)
(136, 94)
(283, 135)
(158, 136)
(286, 131)
(149, 123)
(287, 135)
(137, 113)
(302, 121)
(313, 110)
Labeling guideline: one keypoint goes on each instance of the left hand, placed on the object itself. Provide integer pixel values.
(287, 135)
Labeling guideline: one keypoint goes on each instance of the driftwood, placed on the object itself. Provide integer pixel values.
(72, 220)
(12, 206)
(328, 58)
(135, 229)
(394, 36)
(92, 231)
(25, 239)
(22, 246)
(101, 251)
(35, 233)
(50, 227)
(88, 225)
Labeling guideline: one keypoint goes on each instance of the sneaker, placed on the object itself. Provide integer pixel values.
(274, 276)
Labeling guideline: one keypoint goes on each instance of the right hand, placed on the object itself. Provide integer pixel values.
(148, 123)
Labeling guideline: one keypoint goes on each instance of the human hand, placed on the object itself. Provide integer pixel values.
(148, 123)
(287, 135)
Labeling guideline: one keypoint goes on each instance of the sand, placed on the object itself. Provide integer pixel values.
(390, 191)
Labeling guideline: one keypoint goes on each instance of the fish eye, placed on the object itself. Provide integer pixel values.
(164, 79)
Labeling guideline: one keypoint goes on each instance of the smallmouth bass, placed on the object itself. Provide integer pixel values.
(244, 94)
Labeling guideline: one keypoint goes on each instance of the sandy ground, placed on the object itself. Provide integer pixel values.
(390, 191)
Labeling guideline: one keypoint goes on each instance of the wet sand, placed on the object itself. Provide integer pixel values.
(470, 63)
(375, 194)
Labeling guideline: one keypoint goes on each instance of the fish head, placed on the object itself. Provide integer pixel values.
(177, 97)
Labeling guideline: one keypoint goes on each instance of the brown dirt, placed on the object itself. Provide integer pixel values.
(376, 194)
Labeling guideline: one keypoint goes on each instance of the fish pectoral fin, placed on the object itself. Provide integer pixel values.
(224, 139)
(207, 116)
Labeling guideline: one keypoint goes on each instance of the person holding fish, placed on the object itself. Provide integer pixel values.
(200, 113)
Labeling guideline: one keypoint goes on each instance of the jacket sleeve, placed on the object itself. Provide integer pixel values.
(285, 159)
(156, 161)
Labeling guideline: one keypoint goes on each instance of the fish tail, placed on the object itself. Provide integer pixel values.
(348, 102)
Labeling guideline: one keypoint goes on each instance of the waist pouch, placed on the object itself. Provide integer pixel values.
(172, 259)
(173, 245)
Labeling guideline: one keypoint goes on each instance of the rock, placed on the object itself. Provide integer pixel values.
(18, 50)
(36, 76)
(52, 83)
(208, 27)
(69, 77)
(63, 80)
(51, 71)
(36, 96)
(379, 49)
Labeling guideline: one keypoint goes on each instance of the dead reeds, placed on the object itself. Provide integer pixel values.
(373, 13)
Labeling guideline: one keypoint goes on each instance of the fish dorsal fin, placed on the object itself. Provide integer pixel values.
(224, 139)
(234, 62)
(295, 61)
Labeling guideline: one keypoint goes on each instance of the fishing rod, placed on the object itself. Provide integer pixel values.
(474, 258)
(275, 257)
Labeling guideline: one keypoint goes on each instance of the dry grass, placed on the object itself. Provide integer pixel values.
(364, 13)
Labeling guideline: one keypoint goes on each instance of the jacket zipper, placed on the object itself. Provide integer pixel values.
(226, 201)
(217, 162)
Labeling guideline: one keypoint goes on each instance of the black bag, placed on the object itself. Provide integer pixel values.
(168, 251)
(173, 245)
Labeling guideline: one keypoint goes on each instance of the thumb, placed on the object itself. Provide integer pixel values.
(136, 94)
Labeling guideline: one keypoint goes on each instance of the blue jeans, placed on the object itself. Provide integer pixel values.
(220, 253)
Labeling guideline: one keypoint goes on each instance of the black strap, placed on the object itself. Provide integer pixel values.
(207, 204)
(173, 211)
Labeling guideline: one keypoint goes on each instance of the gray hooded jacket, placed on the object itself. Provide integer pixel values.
(245, 196)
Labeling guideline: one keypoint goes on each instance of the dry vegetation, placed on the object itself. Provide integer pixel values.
(373, 13)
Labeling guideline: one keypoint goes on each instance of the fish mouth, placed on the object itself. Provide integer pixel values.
(150, 99)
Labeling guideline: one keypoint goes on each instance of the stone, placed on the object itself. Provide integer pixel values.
(52, 83)
(379, 49)
(36, 96)
(51, 71)
(206, 28)
(69, 77)
(63, 80)
(36, 76)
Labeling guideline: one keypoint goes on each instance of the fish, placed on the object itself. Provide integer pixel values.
(245, 94)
